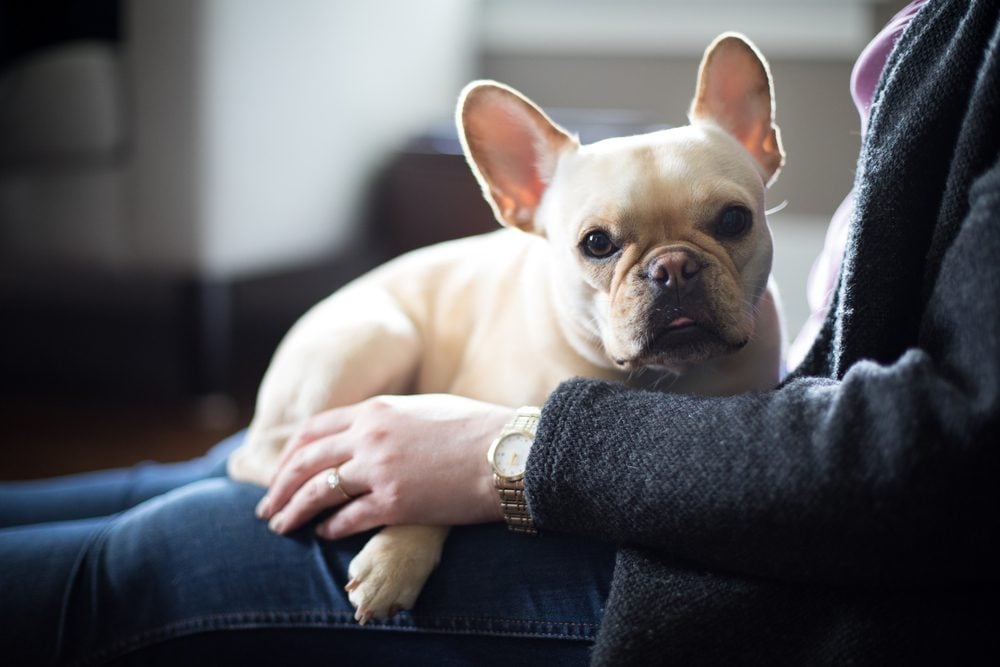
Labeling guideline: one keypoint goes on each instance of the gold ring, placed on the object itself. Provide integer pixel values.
(333, 480)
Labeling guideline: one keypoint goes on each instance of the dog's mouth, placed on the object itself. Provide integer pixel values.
(680, 323)
(685, 339)
(680, 333)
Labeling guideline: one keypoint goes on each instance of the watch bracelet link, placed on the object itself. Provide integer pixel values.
(513, 505)
(525, 419)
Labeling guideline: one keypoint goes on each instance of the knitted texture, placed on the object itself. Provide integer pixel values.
(850, 516)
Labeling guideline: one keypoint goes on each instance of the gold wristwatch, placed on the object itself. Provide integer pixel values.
(508, 456)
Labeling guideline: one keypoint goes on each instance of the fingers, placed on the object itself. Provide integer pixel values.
(359, 515)
(319, 426)
(311, 498)
(305, 463)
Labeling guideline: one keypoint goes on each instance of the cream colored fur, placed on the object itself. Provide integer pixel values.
(507, 316)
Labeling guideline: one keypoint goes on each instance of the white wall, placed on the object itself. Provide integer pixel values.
(259, 122)
(797, 28)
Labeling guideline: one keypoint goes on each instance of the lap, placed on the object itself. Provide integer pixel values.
(194, 570)
(105, 492)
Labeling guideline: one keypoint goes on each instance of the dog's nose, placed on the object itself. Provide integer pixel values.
(674, 269)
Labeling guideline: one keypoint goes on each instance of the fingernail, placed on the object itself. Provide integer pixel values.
(276, 523)
(262, 507)
(351, 585)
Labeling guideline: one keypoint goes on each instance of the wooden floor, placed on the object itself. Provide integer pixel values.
(55, 438)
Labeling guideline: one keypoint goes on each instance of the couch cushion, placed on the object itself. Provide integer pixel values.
(65, 102)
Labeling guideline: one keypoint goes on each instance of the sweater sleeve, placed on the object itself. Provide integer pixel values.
(887, 475)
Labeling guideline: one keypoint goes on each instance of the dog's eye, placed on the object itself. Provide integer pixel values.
(598, 245)
(733, 222)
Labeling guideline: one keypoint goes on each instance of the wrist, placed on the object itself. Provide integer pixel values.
(492, 426)
(508, 459)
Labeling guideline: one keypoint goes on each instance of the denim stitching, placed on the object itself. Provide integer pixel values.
(458, 625)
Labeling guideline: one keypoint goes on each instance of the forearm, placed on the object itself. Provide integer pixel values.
(766, 484)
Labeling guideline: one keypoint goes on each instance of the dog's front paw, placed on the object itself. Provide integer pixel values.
(388, 574)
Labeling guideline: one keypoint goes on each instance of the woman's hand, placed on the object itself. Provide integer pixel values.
(402, 459)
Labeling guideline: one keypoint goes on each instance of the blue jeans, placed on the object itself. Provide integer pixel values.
(166, 564)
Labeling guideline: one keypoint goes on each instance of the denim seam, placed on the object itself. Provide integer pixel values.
(455, 625)
(78, 564)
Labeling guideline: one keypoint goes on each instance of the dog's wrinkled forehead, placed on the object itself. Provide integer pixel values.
(674, 173)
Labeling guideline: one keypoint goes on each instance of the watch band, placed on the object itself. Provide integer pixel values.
(512, 503)
(515, 510)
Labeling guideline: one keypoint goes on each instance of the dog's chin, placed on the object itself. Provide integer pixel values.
(677, 348)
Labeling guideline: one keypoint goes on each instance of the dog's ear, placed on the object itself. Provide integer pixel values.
(735, 91)
(512, 147)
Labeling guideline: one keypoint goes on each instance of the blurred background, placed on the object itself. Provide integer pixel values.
(180, 180)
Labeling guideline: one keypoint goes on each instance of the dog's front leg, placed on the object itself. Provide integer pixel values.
(388, 574)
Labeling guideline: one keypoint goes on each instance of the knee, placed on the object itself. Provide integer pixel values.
(203, 512)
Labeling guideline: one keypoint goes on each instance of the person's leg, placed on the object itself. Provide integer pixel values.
(193, 573)
(105, 492)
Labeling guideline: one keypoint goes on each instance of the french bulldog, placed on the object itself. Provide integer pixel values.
(643, 259)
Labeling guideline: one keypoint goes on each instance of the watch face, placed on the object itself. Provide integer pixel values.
(511, 455)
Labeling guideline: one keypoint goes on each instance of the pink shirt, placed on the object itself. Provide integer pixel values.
(823, 276)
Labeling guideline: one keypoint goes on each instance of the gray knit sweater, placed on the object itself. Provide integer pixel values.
(852, 515)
